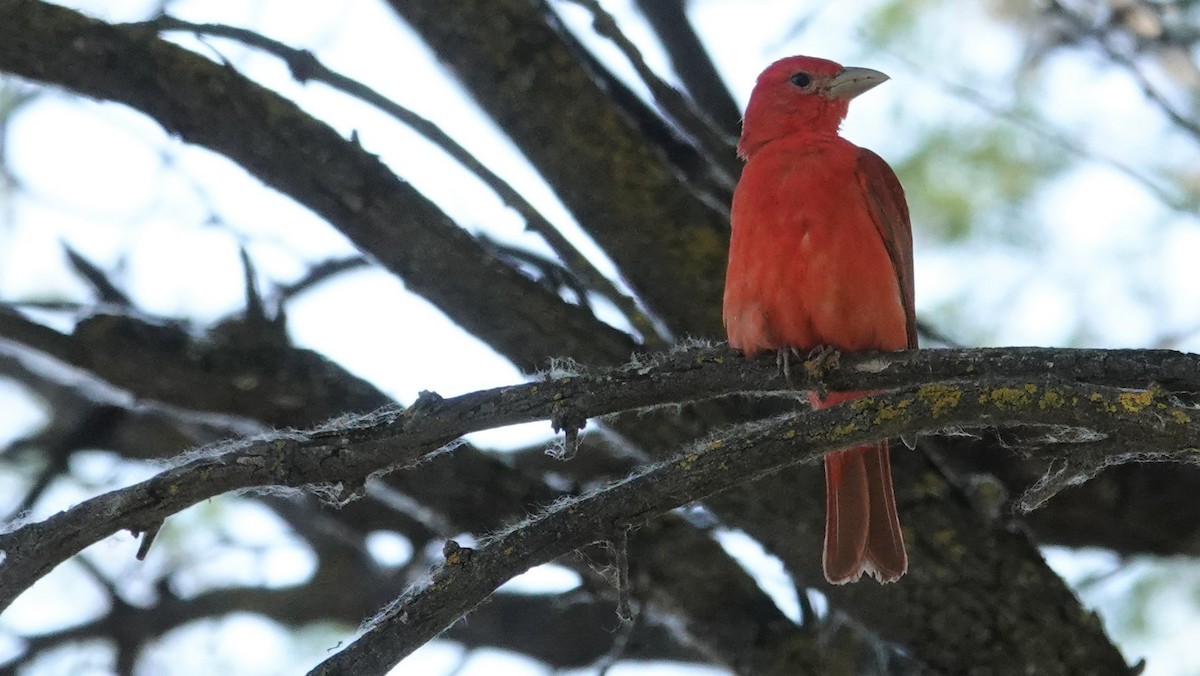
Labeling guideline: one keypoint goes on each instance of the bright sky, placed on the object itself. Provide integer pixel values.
(167, 220)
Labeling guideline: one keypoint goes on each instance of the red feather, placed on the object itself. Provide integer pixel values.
(821, 254)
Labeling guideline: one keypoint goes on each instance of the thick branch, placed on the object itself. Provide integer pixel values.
(666, 241)
(465, 491)
(350, 450)
(752, 451)
(215, 107)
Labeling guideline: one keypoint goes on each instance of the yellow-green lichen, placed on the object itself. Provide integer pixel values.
(1010, 398)
(1105, 405)
(1052, 399)
(891, 412)
(843, 430)
(1134, 402)
(940, 398)
(1180, 417)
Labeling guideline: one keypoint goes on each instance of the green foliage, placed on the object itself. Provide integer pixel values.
(961, 176)
(895, 23)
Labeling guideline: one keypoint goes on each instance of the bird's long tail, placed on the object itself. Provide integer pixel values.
(862, 529)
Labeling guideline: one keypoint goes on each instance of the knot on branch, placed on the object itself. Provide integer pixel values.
(147, 533)
(456, 554)
(428, 402)
(570, 422)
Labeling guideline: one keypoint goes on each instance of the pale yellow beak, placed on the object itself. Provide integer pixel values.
(853, 81)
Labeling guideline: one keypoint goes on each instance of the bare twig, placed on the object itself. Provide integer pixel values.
(692, 62)
(716, 143)
(305, 67)
(272, 138)
(1085, 29)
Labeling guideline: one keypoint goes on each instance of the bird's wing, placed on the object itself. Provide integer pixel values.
(885, 199)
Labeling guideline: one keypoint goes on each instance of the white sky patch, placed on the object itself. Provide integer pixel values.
(168, 260)
(489, 662)
(64, 150)
(436, 657)
(1181, 243)
(366, 322)
(515, 436)
(547, 578)
(766, 569)
(42, 609)
(1074, 86)
(389, 548)
(20, 415)
(1107, 214)
(272, 560)
(221, 188)
(188, 649)
(1043, 314)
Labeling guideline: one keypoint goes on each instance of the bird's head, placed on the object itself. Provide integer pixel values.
(801, 94)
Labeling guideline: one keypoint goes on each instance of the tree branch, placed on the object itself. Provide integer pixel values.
(306, 67)
(669, 244)
(718, 146)
(467, 491)
(215, 107)
(740, 456)
(1014, 386)
(692, 62)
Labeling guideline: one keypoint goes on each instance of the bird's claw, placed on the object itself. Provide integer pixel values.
(783, 358)
(820, 361)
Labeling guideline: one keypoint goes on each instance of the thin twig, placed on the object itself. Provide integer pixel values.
(692, 62)
(1085, 29)
(716, 144)
(306, 67)
(624, 592)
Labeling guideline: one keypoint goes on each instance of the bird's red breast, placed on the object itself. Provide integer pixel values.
(821, 254)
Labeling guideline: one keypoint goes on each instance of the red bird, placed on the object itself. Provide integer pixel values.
(821, 254)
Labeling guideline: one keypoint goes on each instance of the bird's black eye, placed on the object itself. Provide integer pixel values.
(801, 80)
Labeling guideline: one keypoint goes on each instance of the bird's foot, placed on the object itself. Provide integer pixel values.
(783, 359)
(820, 361)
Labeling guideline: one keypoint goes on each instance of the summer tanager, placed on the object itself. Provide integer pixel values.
(821, 255)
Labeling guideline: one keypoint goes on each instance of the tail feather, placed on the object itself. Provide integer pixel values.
(847, 515)
(885, 559)
(862, 529)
